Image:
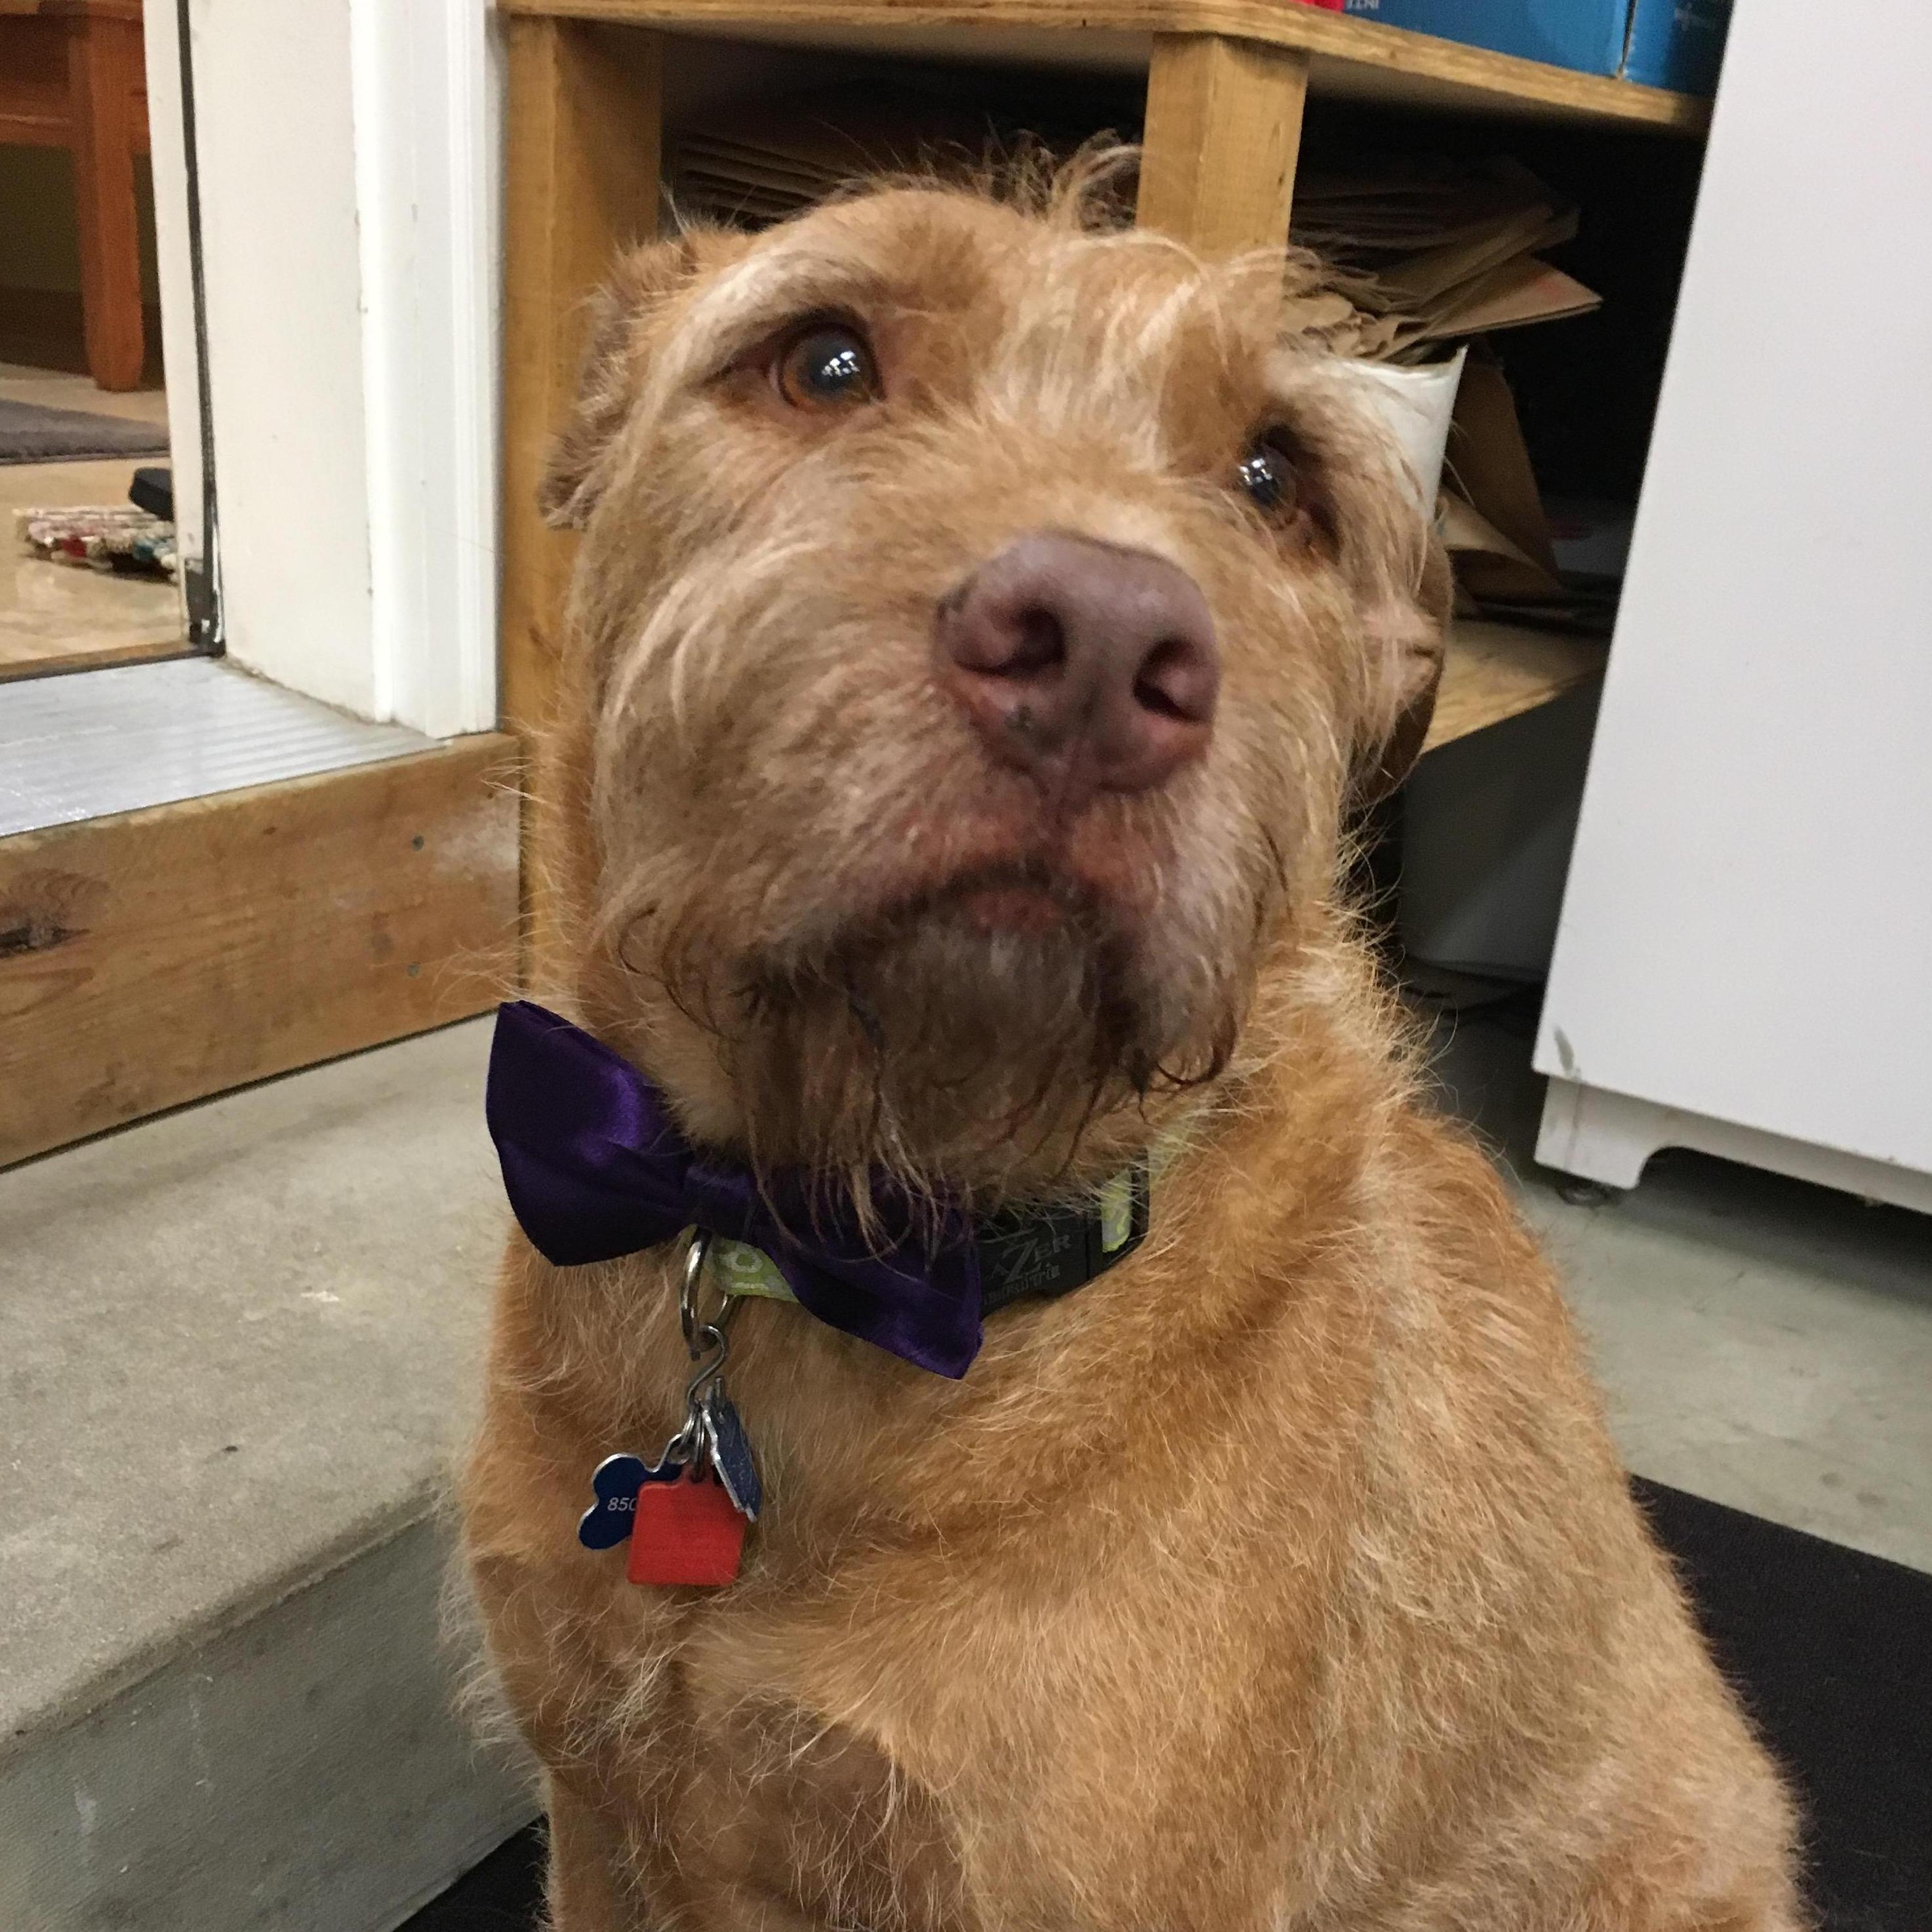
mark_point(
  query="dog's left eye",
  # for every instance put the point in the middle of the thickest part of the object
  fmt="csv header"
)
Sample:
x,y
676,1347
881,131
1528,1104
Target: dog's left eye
x,y
1267,474
827,366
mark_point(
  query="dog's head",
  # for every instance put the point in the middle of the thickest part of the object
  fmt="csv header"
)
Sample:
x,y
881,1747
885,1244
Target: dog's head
x,y
982,623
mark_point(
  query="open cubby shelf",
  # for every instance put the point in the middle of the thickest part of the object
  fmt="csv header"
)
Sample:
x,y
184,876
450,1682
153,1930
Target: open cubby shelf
x,y
1494,671
1349,58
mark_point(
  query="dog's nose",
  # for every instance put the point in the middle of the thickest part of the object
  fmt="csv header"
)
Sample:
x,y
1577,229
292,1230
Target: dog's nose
x,y
1090,668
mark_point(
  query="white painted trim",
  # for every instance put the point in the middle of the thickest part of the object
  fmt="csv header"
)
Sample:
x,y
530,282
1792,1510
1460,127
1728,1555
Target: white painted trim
x,y
425,166
348,156
180,353
1608,1137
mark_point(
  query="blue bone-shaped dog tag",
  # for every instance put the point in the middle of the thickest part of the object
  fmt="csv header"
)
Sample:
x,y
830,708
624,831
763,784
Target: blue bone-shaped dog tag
x,y
611,1519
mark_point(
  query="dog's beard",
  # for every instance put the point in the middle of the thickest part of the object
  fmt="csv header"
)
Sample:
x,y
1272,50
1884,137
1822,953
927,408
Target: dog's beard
x,y
955,1058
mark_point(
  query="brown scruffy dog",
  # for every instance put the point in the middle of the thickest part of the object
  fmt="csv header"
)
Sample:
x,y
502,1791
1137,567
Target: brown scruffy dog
x,y
982,628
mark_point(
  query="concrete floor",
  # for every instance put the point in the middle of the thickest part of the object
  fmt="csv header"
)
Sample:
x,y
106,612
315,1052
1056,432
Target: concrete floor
x,y
1763,1342
243,1343
242,1340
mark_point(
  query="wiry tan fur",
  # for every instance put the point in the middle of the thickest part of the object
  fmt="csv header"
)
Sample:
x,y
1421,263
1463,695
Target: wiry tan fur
x,y
1283,1577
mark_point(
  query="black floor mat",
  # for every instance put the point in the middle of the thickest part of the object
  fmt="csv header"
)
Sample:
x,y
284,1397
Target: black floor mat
x,y
1831,1650
32,433
501,1895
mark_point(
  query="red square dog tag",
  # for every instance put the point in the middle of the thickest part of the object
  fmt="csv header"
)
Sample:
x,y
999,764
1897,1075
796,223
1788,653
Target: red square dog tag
x,y
687,1532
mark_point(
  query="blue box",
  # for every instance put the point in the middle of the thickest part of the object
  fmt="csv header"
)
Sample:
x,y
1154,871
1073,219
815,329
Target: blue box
x,y
1672,43
1677,44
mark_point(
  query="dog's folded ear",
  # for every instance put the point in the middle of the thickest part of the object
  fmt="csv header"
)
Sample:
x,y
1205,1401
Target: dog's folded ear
x,y
1405,636
617,350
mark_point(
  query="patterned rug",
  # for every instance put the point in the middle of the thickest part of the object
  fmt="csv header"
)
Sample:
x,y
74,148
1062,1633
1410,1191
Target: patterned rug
x,y
117,537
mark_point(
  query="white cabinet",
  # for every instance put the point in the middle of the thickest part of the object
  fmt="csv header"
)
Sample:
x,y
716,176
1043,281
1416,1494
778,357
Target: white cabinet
x,y
1745,960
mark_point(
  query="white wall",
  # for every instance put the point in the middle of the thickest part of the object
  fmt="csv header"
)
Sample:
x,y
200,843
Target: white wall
x,y
347,156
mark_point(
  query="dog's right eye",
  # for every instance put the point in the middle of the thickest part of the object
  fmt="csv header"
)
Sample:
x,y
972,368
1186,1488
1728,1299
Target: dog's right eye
x,y
827,366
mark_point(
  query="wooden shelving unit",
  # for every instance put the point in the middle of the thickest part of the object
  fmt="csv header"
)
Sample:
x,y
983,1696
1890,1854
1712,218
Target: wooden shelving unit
x,y
1349,58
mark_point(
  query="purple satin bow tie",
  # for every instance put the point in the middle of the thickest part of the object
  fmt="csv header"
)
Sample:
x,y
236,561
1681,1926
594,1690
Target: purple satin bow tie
x,y
595,1167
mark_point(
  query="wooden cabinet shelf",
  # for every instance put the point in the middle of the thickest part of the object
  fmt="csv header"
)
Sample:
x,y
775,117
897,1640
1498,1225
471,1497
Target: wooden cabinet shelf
x,y
1349,58
1494,671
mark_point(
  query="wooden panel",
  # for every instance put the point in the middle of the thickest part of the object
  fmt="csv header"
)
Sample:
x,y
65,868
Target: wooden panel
x,y
1223,129
43,328
584,114
33,111
1352,56
157,956
1493,671
93,10
25,126
37,657
33,82
104,70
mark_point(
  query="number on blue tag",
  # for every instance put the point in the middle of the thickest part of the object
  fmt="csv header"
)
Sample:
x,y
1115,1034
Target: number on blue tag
x,y
731,1454
611,1519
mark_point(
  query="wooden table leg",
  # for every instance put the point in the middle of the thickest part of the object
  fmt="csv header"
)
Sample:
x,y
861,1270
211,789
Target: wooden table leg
x,y
583,135
1223,129
104,76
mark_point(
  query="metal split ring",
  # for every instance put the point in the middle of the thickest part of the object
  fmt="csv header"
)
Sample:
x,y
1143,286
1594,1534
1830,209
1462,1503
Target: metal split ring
x,y
712,1331
708,1340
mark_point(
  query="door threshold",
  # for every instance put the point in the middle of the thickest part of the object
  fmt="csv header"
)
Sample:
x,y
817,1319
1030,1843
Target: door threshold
x,y
136,736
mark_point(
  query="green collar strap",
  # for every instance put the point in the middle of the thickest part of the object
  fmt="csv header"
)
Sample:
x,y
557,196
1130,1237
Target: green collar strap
x,y
1041,1252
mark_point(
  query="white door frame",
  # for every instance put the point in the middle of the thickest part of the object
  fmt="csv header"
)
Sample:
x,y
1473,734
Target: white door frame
x,y
348,164
427,171
174,245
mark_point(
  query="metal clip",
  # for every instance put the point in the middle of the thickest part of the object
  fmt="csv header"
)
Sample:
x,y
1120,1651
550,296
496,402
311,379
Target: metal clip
x,y
709,1342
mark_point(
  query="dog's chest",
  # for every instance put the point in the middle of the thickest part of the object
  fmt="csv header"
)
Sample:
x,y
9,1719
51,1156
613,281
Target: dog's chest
x,y
964,1609
816,1816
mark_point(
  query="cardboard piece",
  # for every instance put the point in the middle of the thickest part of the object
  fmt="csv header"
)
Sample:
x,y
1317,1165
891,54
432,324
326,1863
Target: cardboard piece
x,y
1489,468
1676,44
1433,254
1416,255
1433,273
1517,293
763,161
